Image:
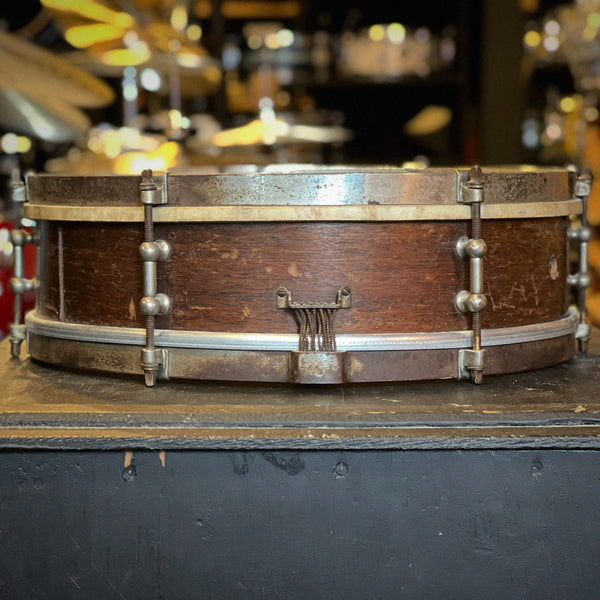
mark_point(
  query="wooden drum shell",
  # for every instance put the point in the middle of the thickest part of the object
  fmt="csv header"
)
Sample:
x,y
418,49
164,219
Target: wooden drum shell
x,y
223,277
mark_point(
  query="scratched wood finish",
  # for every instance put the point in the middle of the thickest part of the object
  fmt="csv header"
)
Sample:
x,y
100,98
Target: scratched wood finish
x,y
223,277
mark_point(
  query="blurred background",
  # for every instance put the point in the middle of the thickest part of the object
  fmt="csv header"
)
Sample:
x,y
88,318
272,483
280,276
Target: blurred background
x,y
115,86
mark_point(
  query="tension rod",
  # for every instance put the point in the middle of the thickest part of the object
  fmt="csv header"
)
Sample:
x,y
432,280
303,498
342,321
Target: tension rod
x,y
474,300
151,251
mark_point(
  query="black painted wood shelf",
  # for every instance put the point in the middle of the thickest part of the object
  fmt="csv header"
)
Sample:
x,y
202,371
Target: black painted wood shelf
x,y
47,408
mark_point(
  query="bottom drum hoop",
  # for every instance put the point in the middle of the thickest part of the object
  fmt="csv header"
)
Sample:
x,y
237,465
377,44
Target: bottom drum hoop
x,y
227,357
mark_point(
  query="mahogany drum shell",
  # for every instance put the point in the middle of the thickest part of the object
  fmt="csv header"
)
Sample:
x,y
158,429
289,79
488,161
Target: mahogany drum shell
x,y
223,277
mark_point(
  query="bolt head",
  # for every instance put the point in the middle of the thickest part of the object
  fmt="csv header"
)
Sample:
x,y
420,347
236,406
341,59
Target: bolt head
x,y
476,178
341,469
129,473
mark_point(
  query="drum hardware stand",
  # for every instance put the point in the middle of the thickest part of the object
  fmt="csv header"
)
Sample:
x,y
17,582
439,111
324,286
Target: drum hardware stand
x,y
151,252
317,359
581,280
471,362
18,284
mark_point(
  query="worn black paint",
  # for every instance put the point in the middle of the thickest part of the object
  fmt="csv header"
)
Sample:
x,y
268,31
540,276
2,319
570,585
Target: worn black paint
x,y
49,408
224,524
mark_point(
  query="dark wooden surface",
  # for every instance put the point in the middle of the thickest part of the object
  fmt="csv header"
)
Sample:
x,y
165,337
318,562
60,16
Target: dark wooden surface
x,y
45,407
300,525
223,277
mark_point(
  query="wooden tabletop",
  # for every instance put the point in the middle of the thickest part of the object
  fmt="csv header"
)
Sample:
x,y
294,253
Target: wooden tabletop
x,y
46,407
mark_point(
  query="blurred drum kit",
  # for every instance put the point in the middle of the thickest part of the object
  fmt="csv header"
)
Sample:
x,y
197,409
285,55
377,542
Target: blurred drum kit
x,y
42,94
290,274
155,35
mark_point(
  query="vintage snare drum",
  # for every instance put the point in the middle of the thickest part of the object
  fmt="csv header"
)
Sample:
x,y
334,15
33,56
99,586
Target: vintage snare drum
x,y
311,276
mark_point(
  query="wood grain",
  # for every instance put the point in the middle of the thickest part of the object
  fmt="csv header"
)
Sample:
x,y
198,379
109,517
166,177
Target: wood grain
x,y
223,277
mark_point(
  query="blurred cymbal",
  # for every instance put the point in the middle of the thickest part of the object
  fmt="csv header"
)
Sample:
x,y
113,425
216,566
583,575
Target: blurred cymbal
x,y
45,118
87,163
23,61
142,37
258,132
250,9
149,4
92,10
168,155
200,74
430,119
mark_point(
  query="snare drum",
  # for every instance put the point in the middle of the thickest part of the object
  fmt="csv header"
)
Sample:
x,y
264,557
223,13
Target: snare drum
x,y
316,275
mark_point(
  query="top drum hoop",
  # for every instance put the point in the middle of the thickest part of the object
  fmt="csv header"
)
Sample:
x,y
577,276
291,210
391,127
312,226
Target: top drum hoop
x,y
307,194
326,275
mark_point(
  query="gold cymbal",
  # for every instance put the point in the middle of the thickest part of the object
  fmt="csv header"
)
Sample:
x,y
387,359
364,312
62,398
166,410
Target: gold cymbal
x,y
53,76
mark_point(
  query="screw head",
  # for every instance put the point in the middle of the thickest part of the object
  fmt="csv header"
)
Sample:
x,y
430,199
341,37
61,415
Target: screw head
x,y
129,472
475,176
341,469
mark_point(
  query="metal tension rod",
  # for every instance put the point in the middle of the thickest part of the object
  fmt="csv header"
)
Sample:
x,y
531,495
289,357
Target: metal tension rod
x,y
151,252
18,284
474,301
581,280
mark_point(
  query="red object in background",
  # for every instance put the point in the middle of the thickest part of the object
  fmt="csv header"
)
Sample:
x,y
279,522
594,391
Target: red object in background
x,y
6,272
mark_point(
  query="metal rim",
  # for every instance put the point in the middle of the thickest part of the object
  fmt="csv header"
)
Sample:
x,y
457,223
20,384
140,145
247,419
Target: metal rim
x,y
370,190
289,342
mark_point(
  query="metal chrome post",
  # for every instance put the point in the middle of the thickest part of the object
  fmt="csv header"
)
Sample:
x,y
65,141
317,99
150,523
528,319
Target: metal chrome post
x,y
474,300
18,284
151,252
581,280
